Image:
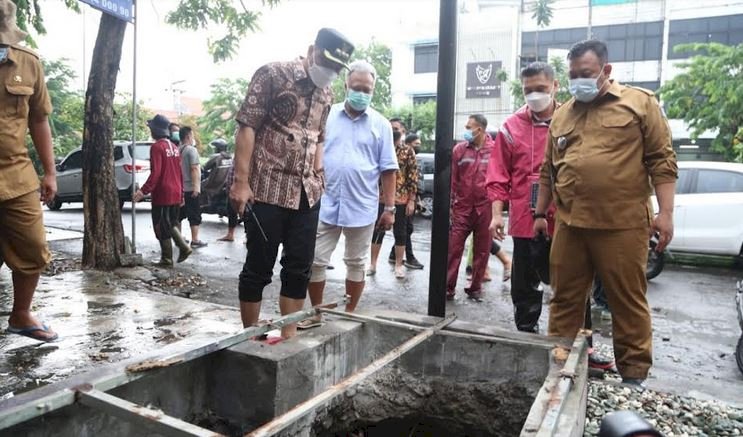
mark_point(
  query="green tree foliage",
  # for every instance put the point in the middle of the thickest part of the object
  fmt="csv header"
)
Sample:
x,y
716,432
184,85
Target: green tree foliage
x,y
561,74
234,22
542,13
123,119
380,56
420,119
28,14
708,94
220,109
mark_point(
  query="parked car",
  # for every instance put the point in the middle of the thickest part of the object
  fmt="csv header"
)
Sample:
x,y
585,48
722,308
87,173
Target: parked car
x,y
70,173
425,184
708,209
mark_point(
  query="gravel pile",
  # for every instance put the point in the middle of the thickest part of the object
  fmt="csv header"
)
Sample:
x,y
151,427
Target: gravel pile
x,y
670,414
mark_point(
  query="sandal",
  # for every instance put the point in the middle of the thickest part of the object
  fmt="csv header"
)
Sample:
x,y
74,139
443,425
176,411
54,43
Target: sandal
x,y
228,239
33,332
309,324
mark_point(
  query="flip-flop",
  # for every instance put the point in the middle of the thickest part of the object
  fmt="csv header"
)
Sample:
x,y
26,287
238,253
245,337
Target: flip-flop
x,y
506,275
371,272
309,324
31,332
226,239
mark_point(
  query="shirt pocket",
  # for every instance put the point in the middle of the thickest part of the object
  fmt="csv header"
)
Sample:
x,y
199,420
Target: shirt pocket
x,y
617,129
564,138
18,96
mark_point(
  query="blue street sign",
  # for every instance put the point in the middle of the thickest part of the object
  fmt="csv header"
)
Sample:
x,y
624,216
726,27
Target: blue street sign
x,y
121,9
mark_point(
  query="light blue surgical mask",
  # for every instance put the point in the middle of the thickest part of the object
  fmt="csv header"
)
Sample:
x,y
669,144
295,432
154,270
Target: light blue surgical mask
x,y
469,136
584,89
358,100
175,136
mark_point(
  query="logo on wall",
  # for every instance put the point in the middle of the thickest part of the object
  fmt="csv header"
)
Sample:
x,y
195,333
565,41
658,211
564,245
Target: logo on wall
x,y
482,82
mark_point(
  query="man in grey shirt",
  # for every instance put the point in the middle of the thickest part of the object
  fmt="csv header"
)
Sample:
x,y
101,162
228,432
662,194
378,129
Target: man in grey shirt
x,y
191,170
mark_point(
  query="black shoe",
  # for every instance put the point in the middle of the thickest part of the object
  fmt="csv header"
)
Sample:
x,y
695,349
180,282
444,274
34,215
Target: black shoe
x,y
636,382
412,263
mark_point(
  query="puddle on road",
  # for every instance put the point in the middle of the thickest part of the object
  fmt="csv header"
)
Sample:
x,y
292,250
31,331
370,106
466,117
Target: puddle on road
x,y
98,322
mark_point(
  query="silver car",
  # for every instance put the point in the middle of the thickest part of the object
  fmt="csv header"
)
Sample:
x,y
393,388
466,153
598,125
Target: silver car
x,y
70,173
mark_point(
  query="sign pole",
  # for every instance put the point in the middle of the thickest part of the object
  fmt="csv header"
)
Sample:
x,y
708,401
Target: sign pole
x,y
134,132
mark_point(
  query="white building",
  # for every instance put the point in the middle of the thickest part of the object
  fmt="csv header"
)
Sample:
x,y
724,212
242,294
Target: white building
x,y
640,35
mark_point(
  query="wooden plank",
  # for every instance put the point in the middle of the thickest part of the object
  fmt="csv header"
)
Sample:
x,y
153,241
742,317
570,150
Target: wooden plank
x,y
153,420
290,417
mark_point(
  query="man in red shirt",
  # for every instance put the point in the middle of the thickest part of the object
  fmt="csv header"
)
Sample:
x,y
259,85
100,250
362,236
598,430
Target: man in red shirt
x,y
166,185
470,205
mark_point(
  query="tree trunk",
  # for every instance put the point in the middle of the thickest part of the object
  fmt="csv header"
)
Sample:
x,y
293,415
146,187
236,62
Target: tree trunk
x,y
104,233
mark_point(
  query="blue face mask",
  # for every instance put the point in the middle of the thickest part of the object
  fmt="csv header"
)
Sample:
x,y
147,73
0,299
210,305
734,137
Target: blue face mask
x,y
358,100
584,89
469,136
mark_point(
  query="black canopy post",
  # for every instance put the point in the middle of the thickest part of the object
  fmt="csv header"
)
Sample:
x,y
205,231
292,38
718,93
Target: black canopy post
x,y
444,139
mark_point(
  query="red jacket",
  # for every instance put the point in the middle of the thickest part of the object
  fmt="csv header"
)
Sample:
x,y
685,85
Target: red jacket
x,y
468,177
517,159
166,180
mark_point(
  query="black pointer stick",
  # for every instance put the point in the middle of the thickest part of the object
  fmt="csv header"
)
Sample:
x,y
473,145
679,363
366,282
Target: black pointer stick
x,y
258,223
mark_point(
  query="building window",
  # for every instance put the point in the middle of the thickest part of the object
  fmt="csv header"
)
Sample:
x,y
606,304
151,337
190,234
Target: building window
x,y
426,58
625,42
419,99
726,30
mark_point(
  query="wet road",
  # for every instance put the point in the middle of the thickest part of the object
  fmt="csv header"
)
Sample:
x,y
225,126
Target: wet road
x,y
694,319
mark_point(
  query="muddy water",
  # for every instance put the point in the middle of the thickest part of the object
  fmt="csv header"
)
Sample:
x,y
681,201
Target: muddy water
x,y
99,321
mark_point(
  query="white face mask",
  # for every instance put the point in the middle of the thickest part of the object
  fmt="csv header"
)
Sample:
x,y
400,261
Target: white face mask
x,y
537,101
321,76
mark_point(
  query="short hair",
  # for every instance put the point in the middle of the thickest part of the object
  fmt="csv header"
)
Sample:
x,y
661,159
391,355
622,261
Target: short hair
x,y
480,119
185,131
399,120
173,125
361,66
590,45
411,137
536,68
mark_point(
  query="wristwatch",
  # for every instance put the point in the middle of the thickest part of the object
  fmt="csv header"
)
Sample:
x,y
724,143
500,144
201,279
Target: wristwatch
x,y
390,209
538,216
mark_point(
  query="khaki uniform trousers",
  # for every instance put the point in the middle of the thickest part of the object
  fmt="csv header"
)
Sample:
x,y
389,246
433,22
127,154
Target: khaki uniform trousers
x,y
619,257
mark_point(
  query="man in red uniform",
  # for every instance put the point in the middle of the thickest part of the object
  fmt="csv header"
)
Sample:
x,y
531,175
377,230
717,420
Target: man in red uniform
x,y
513,175
470,205
166,185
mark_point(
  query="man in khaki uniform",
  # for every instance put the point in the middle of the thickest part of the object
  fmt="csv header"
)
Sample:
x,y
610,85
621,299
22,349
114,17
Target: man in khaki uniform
x,y
605,148
24,106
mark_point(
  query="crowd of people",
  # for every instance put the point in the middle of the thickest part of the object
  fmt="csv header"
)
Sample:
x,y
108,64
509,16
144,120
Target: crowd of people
x,y
575,178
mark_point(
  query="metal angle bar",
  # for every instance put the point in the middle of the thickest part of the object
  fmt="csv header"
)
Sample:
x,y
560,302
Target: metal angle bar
x,y
152,420
291,416
563,387
372,319
65,397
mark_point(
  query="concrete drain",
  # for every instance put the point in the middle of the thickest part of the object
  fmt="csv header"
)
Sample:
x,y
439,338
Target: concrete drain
x,y
398,403
392,374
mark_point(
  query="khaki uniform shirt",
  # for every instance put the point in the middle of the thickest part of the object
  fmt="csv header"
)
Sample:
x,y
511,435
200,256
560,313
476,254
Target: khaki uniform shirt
x,y
288,113
23,95
602,156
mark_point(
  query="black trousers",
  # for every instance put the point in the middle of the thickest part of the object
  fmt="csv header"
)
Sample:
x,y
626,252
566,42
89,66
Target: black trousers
x,y
163,220
525,293
408,242
296,230
191,209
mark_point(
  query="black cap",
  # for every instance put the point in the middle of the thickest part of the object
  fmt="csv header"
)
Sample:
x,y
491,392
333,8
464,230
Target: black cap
x,y
159,125
335,47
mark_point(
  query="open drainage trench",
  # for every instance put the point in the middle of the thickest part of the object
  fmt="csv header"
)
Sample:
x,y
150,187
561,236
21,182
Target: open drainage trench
x,y
445,385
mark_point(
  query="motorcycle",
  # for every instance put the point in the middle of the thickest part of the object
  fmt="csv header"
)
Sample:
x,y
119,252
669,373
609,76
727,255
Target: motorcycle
x,y
213,198
739,305
656,260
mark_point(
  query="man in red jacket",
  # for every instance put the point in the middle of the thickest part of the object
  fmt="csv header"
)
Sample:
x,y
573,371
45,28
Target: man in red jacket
x,y
470,205
513,175
166,185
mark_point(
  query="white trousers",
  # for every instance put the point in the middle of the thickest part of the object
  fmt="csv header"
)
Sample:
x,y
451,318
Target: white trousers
x,y
358,243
